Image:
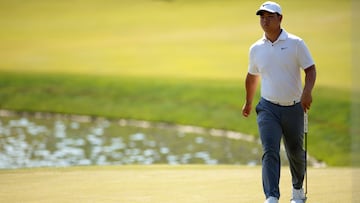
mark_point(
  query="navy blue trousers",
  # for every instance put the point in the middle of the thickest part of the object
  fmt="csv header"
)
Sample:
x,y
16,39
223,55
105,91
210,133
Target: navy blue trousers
x,y
275,123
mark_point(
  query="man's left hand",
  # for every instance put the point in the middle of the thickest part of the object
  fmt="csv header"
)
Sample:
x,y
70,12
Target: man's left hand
x,y
306,100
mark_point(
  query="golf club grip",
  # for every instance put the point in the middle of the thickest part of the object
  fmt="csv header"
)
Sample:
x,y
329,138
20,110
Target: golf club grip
x,y
306,123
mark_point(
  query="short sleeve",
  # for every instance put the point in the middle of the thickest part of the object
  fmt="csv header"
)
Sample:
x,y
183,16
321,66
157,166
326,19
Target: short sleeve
x,y
305,59
252,69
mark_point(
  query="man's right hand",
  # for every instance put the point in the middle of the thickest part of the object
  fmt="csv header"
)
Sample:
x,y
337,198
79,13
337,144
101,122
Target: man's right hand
x,y
251,82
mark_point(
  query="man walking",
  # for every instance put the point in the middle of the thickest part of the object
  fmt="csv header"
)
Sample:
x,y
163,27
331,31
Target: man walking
x,y
277,58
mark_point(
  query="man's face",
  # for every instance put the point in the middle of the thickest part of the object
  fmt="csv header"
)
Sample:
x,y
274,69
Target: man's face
x,y
270,21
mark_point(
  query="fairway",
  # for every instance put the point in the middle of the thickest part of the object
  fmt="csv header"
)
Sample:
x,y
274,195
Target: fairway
x,y
161,38
165,184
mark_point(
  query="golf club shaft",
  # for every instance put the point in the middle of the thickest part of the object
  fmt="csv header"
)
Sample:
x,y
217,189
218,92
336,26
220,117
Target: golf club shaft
x,y
305,140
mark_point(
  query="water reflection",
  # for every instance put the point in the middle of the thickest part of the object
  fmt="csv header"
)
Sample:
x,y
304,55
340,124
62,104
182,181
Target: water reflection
x,y
44,140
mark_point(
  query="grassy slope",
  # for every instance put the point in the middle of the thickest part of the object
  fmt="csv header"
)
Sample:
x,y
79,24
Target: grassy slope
x,y
183,57
153,184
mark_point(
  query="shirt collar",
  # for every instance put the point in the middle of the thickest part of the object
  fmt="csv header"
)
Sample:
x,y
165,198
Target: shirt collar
x,y
283,36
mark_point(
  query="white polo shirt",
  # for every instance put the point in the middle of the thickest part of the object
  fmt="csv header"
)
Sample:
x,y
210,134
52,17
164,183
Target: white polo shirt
x,y
279,66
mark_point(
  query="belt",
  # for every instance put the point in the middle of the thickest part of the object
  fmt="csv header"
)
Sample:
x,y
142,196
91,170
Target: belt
x,y
291,103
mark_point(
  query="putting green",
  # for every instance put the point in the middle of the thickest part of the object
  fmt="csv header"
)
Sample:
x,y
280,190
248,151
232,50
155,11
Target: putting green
x,y
163,183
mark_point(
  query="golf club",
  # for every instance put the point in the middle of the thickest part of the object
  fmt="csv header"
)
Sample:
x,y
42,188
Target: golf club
x,y
305,143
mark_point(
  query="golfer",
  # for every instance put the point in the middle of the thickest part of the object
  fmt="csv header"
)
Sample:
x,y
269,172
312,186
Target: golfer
x,y
278,58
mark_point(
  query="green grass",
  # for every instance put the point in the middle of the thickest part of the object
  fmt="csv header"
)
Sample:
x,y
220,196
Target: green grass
x,y
176,61
181,38
159,183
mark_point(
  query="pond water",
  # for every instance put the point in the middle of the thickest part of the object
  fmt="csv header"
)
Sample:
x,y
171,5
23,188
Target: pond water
x,y
54,140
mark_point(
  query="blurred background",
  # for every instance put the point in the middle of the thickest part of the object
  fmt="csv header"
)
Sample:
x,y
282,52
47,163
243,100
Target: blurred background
x,y
179,62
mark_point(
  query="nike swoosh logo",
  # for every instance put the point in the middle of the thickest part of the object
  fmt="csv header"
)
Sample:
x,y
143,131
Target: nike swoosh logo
x,y
283,48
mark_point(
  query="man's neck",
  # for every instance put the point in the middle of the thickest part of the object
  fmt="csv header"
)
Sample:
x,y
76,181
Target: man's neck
x,y
273,36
